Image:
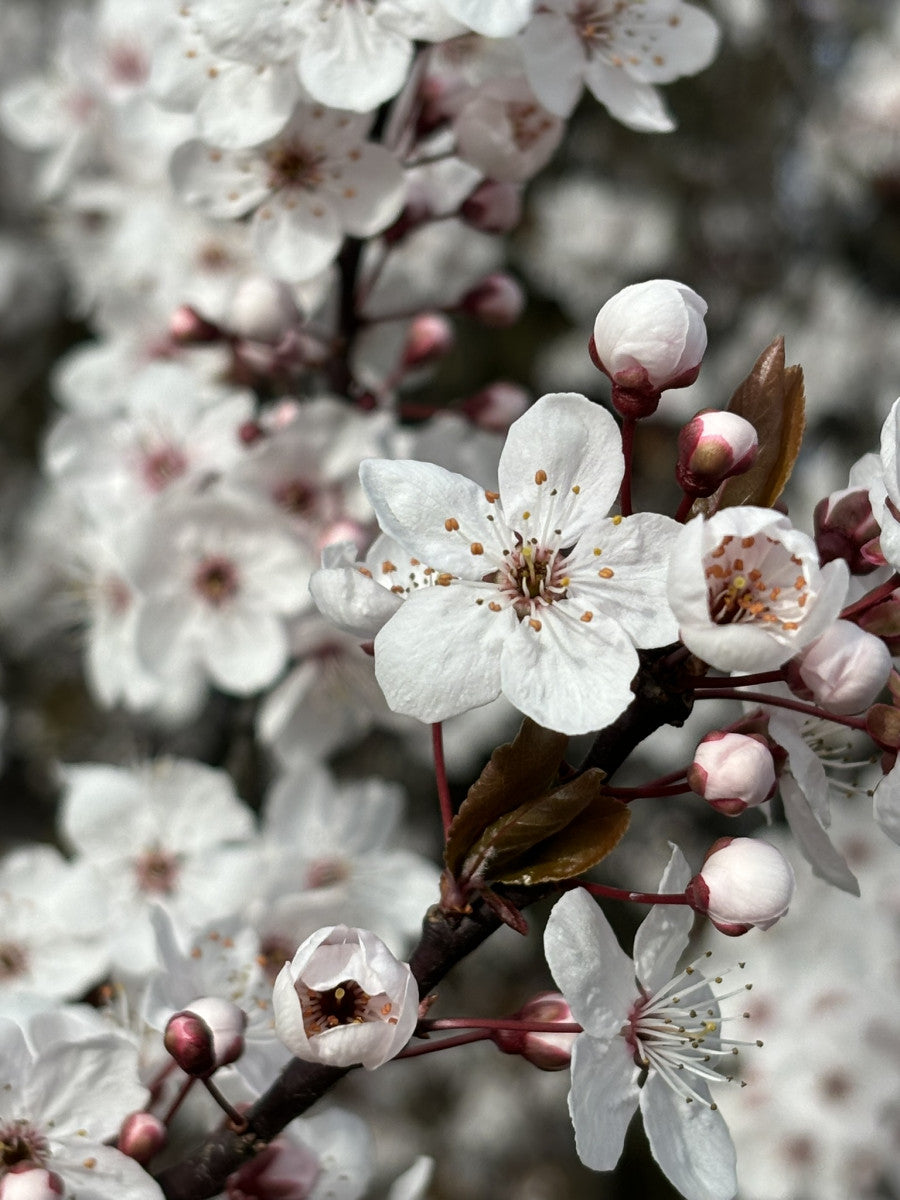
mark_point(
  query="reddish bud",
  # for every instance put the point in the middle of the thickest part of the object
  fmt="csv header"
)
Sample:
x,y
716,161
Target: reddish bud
x,y
430,337
495,407
732,772
843,670
497,301
29,1181
744,884
142,1136
711,448
188,328
547,1051
262,310
845,527
205,1036
493,207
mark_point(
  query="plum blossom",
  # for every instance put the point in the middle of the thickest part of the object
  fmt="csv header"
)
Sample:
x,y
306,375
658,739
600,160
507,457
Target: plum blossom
x,y
748,591
307,187
618,50
539,595
743,884
640,1020
344,999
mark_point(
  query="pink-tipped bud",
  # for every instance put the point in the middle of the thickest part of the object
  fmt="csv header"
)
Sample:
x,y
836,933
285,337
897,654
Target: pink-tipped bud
x,y
495,407
493,207
547,1051
845,527
430,337
497,301
647,338
262,310
713,446
28,1181
206,1035
142,1136
283,1170
744,884
188,328
843,670
883,620
733,772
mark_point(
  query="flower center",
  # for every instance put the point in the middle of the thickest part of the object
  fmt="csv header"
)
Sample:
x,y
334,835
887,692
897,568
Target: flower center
x,y
161,467
274,952
157,872
594,24
21,1142
756,579
345,1004
292,165
326,872
13,961
216,579
678,1041
532,577
528,123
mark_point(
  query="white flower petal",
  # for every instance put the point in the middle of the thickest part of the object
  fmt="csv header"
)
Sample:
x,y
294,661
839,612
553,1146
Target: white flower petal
x,y
637,105
296,235
813,841
220,183
602,1099
591,969
690,1142
664,932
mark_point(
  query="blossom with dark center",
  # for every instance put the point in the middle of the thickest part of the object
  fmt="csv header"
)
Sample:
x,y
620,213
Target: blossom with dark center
x,y
345,999
539,594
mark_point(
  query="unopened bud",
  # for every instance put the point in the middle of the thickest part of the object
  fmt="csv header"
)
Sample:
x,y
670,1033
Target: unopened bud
x,y
845,527
208,1034
262,310
843,670
495,407
647,338
547,1051
142,1136
283,1170
188,328
29,1181
497,301
712,447
743,884
430,337
493,207
732,772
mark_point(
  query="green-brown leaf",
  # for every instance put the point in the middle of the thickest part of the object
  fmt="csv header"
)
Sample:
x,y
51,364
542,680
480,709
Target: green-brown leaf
x,y
584,842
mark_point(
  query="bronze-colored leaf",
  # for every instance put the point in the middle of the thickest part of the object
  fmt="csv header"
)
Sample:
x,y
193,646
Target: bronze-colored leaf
x,y
584,842
512,836
772,399
517,772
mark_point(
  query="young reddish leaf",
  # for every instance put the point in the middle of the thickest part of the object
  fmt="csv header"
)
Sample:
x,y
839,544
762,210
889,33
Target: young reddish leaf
x,y
772,399
517,772
508,913
584,842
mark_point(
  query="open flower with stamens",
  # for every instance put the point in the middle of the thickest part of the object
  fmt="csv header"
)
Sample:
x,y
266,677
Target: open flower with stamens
x,y
748,591
344,999
538,593
651,1039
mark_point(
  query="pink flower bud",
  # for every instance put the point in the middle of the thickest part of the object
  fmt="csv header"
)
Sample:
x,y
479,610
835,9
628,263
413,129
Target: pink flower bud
x,y
206,1035
547,1051
430,337
188,328
713,446
493,207
843,670
142,1136
844,527
495,407
28,1181
649,337
283,1170
743,884
497,301
732,772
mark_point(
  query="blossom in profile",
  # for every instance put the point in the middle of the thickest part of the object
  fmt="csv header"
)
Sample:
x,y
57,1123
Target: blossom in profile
x,y
748,591
345,999
537,592
651,1038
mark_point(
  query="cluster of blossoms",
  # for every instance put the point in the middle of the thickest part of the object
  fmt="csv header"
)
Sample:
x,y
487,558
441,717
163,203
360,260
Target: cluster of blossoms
x,y
273,218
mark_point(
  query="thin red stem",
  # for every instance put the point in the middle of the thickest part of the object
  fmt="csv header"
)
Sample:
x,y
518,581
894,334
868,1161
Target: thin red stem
x,y
611,893
179,1099
488,1023
238,1121
440,772
809,710
628,424
874,597
734,681
684,508
463,1039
